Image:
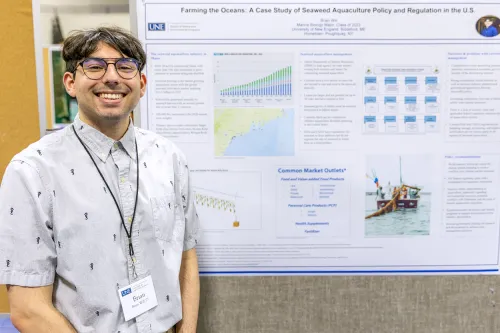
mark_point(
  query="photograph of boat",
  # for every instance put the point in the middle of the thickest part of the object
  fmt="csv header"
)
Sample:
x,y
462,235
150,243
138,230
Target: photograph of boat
x,y
396,204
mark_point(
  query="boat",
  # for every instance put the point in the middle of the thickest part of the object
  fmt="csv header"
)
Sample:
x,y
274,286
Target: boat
x,y
402,203
403,197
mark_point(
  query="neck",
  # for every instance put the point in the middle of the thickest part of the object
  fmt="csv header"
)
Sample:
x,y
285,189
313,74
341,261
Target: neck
x,y
112,128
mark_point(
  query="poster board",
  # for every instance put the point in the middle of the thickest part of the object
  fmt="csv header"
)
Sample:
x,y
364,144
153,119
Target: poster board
x,y
61,108
323,140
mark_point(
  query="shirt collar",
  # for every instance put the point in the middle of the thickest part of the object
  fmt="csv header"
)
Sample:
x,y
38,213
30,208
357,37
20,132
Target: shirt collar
x,y
100,144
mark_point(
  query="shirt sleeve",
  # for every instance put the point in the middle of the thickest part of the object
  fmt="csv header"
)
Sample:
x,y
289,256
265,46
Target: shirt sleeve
x,y
27,249
192,232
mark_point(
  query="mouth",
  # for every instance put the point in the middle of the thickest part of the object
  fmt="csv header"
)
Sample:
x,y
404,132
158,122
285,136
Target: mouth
x,y
111,97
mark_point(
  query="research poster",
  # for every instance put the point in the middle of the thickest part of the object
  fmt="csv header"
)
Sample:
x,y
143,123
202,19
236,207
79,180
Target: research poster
x,y
61,108
327,138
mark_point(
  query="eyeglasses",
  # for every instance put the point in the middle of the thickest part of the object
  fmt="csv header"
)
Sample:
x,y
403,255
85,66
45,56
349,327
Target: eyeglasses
x,y
96,68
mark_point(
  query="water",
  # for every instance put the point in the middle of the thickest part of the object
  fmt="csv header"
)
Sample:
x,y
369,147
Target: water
x,y
402,222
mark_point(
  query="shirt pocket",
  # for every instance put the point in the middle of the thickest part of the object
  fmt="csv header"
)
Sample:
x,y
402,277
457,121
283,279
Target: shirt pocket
x,y
163,212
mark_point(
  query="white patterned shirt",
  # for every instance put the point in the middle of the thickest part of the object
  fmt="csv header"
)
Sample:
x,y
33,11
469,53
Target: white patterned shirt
x,y
59,224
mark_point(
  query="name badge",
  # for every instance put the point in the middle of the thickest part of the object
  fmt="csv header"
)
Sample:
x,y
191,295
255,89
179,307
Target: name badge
x,y
138,298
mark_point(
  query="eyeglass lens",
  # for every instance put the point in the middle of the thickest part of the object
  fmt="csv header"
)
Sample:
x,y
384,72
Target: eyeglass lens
x,y
95,68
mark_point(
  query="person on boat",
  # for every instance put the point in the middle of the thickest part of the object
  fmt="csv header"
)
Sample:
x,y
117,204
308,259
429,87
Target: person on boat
x,y
404,193
394,191
380,193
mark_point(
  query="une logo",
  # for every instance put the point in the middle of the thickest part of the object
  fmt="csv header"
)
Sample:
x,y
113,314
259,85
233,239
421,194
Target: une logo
x,y
156,26
126,292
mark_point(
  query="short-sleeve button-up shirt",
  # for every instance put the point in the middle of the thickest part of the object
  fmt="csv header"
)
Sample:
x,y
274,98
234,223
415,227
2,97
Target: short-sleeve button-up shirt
x,y
59,224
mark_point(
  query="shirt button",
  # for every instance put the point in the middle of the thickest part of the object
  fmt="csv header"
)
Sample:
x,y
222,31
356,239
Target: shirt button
x,y
115,145
130,219
122,179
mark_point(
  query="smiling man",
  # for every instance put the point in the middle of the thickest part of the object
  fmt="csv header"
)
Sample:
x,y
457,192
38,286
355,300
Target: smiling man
x,y
489,29
98,226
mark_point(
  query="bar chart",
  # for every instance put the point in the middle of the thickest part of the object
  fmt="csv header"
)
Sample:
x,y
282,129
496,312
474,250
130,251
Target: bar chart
x,y
276,84
253,79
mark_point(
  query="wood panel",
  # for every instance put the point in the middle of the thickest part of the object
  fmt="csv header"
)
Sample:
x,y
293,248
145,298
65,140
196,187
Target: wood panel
x,y
19,125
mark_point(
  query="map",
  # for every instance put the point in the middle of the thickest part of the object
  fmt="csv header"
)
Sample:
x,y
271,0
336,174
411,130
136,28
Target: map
x,y
254,132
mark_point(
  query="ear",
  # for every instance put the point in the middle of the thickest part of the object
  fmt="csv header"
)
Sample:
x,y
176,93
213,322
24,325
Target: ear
x,y
69,84
143,84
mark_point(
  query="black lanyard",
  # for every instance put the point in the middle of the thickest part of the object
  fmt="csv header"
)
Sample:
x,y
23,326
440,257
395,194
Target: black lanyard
x,y
129,234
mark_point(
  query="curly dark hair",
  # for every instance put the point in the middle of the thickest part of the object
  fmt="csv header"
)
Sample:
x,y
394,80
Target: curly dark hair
x,y
80,44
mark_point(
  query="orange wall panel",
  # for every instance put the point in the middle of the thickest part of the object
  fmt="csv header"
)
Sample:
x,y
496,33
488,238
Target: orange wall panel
x,y
19,124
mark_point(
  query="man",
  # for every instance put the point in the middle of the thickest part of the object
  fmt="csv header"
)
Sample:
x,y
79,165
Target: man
x,y
489,29
380,194
97,221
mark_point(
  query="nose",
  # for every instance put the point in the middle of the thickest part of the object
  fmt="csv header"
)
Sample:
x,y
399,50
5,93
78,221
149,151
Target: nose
x,y
111,77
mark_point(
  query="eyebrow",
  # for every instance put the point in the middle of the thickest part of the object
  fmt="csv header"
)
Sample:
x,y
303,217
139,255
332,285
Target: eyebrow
x,y
95,57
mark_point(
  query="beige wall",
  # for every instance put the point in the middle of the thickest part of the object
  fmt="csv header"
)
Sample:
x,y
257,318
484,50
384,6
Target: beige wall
x,y
19,124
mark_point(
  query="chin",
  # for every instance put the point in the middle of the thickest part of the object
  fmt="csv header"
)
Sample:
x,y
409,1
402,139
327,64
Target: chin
x,y
115,116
